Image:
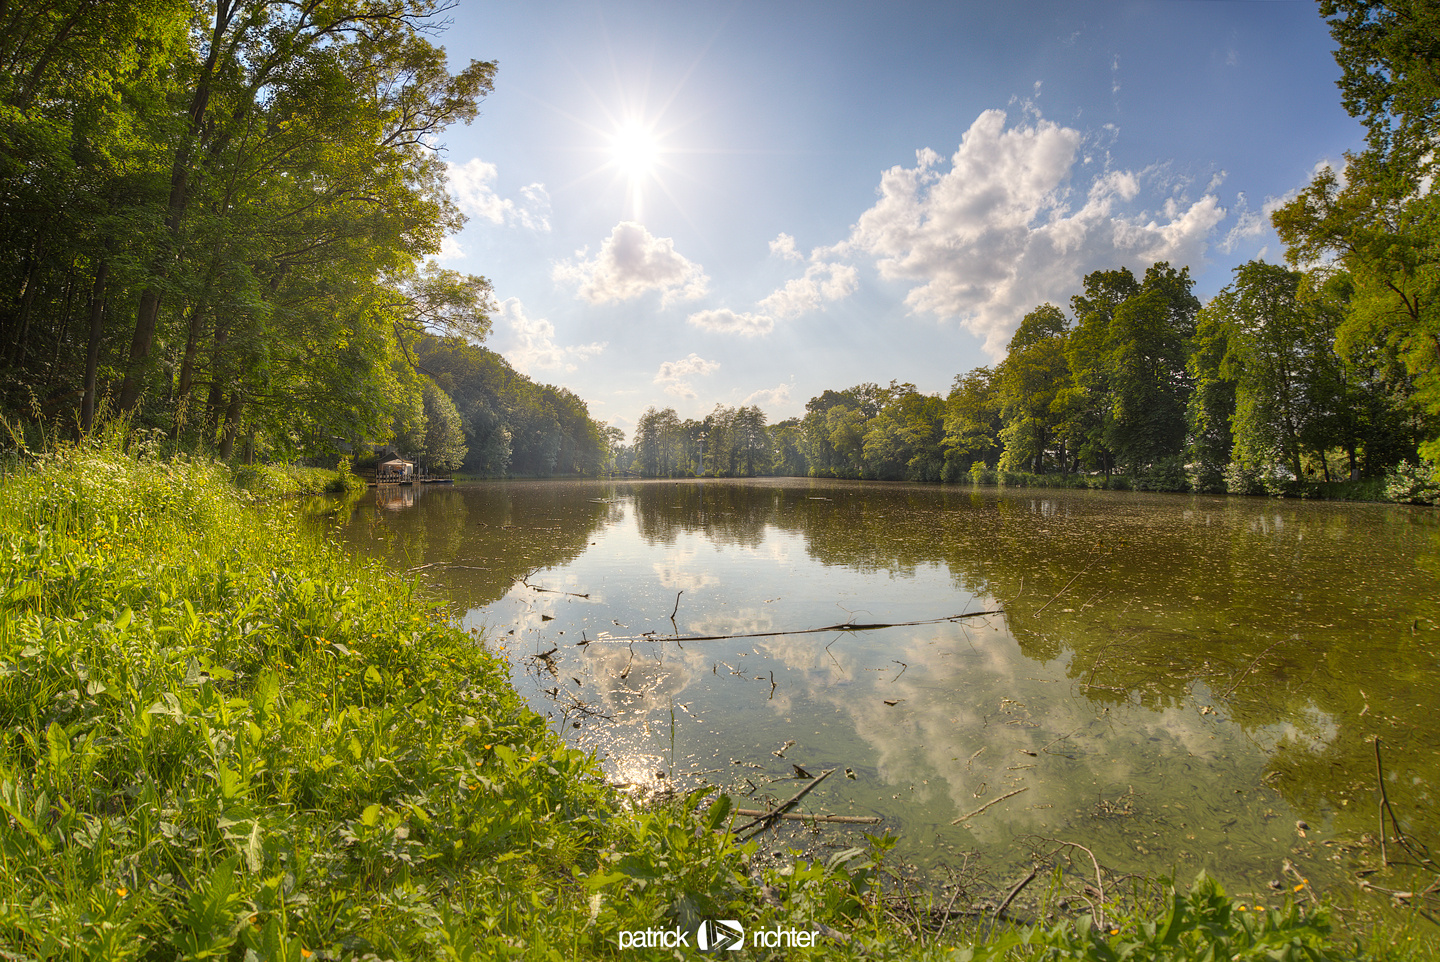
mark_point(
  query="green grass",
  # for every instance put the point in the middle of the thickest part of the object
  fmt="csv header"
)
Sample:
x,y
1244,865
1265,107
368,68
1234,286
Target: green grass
x,y
223,739
279,481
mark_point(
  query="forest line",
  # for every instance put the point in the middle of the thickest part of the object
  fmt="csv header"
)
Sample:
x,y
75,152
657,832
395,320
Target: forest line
x,y
1139,384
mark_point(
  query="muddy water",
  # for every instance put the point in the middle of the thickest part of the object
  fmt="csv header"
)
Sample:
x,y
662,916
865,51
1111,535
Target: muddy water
x,y
1175,682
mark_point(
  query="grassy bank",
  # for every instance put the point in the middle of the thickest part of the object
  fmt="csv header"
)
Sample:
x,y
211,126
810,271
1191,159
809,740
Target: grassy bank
x,y
225,740
1178,481
281,481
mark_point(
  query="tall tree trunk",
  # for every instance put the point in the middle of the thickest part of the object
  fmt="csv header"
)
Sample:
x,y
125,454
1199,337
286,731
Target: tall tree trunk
x,y
232,424
148,311
92,350
187,370
216,395
27,300
64,331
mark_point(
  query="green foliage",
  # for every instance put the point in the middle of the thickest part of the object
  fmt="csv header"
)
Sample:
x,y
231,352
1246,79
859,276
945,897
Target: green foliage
x,y
1146,352
1414,483
249,191
274,481
1028,384
1379,225
511,425
1202,925
972,422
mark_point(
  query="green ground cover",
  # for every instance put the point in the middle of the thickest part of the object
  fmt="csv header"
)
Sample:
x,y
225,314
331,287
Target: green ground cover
x,y
223,739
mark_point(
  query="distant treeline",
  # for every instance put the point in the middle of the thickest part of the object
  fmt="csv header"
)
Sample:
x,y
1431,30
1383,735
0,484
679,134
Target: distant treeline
x,y
1139,379
507,424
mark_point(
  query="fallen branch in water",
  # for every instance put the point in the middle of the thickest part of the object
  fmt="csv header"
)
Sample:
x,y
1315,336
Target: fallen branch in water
x,y
1014,891
1067,585
993,801
550,591
1385,808
774,814
1252,665
802,817
846,626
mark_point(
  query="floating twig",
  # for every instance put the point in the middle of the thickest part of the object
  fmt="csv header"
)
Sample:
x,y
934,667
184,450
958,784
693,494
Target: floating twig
x,y
993,801
553,591
1068,584
677,603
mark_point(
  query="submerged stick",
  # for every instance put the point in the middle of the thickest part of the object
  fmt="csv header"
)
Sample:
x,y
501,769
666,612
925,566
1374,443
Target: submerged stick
x,y
802,817
766,821
846,626
1067,585
993,801
1252,665
1014,891
1385,808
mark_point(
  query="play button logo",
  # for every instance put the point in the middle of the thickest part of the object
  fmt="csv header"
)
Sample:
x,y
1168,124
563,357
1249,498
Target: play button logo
x,y
715,935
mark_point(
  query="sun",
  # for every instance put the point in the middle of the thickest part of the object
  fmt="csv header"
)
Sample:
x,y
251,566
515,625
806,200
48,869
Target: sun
x,y
634,151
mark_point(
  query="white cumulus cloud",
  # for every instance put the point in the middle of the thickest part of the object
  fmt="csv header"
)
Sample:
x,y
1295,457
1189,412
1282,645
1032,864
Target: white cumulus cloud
x,y
632,262
784,246
473,186
780,394
674,376
530,342
822,282
450,250
725,321
1004,230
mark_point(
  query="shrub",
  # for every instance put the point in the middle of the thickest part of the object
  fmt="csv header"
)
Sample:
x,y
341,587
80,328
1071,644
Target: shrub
x,y
1240,479
1413,483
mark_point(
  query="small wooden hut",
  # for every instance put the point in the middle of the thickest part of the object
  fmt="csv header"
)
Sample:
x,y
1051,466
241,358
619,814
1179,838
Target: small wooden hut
x,y
395,471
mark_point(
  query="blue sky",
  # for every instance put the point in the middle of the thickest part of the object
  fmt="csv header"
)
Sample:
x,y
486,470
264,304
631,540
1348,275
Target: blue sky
x,y
683,204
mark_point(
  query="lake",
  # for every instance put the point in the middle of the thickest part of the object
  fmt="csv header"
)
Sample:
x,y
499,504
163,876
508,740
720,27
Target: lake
x,y
1176,682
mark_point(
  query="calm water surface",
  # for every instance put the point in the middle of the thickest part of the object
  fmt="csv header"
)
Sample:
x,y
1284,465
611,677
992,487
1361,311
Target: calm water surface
x,y
1175,681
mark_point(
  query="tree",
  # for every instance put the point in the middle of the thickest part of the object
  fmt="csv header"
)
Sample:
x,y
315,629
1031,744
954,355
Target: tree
x,y
972,422
1146,351
787,442
1029,382
339,100
1086,404
444,436
1381,226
